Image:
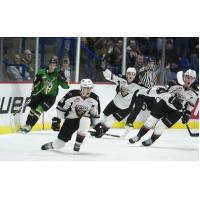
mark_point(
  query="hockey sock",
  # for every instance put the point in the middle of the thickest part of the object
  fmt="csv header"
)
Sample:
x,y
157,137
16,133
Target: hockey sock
x,y
143,131
154,137
79,138
33,118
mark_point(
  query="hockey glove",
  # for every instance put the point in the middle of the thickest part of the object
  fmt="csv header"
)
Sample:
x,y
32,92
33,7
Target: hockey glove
x,y
161,90
175,102
186,117
102,66
55,124
100,130
62,76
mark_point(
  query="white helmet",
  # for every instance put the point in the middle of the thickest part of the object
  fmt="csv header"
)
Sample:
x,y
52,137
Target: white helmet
x,y
191,73
86,83
131,69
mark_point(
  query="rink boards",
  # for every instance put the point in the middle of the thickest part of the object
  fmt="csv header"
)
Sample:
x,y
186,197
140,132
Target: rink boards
x,y
15,95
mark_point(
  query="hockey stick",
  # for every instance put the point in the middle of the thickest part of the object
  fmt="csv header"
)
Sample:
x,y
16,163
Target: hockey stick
x,y
192,134
112,135
93,133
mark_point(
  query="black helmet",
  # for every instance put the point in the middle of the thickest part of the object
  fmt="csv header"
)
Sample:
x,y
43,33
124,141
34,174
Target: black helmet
x,y
151,59
52,60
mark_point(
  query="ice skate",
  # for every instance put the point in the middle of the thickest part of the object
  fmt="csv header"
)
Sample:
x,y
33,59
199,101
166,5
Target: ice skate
x,y
77,146
134,139
47,146
147,142
25,129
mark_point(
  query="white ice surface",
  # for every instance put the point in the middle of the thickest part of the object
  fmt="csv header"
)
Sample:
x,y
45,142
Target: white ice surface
x,y
172,145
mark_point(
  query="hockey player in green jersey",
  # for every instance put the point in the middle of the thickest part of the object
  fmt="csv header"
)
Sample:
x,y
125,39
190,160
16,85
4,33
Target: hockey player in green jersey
x,y
44,92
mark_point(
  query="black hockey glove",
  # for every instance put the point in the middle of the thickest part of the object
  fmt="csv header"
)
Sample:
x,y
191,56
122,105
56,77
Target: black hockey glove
x,y
100,130
161,90
62,76
175,102
55,124
102,66
186,117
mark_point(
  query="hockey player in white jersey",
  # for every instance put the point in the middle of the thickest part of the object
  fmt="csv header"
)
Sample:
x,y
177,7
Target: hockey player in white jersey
x,y
177,102
120,106
78,108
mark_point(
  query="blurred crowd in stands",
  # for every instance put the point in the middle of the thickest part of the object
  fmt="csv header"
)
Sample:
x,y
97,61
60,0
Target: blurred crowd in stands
x,y
181,53
20,67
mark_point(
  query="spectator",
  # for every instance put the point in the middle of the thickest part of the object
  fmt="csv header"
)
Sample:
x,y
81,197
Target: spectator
x,y
145,46
194,61
139,64
132,53
171,57
101,46
114,57
65,67
167,73
28,61
17,71
87,60
182,46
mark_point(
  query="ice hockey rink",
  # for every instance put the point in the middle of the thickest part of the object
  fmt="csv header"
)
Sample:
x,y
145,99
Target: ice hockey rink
x,y
172,145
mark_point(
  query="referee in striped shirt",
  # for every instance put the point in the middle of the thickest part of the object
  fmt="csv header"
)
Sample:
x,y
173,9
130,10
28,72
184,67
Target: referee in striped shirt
x,y
147,76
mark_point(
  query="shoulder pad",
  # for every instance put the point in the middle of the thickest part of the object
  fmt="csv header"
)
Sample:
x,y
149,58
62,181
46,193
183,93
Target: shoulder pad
x,y
94,96
195,91
41,71
195,87
72,93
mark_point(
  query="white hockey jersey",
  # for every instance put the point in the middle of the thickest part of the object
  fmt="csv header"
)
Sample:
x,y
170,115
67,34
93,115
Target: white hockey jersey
x,y
73,105
186,96
125,91
126,95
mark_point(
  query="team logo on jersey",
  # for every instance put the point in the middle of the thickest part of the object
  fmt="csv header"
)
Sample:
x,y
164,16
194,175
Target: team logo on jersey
x,y
80,110
48,86
180,97
77,100
124,91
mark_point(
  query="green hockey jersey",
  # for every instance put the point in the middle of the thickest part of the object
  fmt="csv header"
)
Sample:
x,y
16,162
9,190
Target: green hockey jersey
x,y
48,83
